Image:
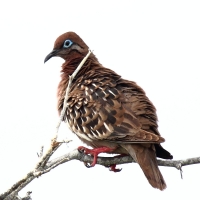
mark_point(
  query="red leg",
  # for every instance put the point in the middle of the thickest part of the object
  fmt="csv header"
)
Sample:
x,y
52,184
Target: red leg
x,y
94,152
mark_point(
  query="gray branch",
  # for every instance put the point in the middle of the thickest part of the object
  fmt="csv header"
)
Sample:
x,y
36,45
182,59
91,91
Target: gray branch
x,y
45,166
107,161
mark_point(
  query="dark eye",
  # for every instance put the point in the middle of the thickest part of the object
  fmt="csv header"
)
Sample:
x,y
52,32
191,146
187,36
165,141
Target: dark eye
x,y
67,43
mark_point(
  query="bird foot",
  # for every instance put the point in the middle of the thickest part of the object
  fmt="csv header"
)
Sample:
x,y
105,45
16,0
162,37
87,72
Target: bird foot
x,y
94,152
113,168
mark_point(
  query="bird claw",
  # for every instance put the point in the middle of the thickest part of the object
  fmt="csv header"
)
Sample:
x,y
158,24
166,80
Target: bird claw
x,y
117,170
113,168
85,150
88,165
81,149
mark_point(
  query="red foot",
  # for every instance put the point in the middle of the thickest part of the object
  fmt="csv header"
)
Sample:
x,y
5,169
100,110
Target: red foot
x,y
113,168
94,152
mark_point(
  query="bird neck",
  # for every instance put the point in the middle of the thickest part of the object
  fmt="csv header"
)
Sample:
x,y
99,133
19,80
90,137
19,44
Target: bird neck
x,y
90,69
69,66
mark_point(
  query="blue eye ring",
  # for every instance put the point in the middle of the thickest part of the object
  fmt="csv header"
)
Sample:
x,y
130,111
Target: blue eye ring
x,y
67,43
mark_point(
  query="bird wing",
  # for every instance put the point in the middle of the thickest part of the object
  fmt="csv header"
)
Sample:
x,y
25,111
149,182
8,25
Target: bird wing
x,y
102,109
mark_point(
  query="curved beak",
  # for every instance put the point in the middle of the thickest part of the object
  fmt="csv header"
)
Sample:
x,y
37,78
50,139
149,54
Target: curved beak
x,y
52,54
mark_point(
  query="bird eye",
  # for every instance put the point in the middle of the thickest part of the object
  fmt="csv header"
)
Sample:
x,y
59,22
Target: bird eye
x,y
67,43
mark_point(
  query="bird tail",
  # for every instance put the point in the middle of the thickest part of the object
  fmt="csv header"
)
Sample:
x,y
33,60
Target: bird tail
x,y
146,158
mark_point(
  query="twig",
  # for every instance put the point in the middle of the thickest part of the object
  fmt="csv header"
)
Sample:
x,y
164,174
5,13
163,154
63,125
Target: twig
x,y
67,92
54,144
41,165
41,152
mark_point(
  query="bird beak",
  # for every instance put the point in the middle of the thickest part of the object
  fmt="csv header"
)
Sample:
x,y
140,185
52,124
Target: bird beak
x,y
50,55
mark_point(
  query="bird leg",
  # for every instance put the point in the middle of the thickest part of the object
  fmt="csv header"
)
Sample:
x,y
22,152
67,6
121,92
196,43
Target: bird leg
x,y
94,152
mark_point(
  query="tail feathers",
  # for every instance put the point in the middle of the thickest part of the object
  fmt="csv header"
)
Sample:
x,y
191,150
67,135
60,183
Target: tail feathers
x,y
146,158
161,152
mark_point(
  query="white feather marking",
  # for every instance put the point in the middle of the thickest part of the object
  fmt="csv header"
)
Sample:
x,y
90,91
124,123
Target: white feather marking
x,y
109,128
98,132
94,84
87,93
78,127
77,107
82,121
94,112
104,99
92,136
85,129
112,92
87,111
104,92
77,114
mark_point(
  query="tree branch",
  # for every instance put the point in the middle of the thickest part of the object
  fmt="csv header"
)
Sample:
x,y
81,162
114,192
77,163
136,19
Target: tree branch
x,y
107,161
76,155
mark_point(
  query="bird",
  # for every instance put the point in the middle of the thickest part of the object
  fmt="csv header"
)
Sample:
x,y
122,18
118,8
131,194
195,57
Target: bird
x,y
106,112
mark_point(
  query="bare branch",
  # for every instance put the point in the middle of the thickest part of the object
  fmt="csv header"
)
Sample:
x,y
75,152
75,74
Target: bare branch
x,y
76,155
107,161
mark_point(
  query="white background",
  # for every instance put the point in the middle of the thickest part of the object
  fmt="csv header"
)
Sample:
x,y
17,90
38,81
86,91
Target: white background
x,y
155,43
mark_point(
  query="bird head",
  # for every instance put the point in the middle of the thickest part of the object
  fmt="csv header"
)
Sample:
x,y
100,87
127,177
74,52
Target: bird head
x,y
68,46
